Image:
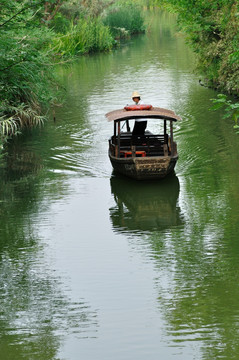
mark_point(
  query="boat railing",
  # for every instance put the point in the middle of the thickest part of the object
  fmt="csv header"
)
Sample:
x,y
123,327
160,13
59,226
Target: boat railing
x,y
150,145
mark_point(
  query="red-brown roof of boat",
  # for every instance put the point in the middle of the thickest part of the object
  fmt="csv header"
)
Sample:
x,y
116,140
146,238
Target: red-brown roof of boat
x,y
155,112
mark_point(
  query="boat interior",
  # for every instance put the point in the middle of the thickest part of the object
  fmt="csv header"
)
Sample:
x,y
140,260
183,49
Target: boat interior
x,y
140,142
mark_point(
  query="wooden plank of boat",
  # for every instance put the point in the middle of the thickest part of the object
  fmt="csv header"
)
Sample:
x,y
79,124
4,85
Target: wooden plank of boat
x,y
144,168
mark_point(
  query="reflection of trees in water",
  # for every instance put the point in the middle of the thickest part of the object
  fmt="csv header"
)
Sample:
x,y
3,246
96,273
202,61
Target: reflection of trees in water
x,y
19,198
36,314
200,302
202,311
145,206
199,298
20,195
19,161
23,183
36,311
196,261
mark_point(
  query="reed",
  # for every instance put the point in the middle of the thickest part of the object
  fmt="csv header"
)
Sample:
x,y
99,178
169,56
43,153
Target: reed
x,y
125,21
88,35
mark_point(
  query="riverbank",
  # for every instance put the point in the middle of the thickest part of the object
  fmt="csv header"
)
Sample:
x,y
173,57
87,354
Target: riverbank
x,y
212,30
37,36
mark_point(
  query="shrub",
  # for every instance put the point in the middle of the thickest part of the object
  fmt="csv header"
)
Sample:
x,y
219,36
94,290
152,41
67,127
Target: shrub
x,y
60,24
125,20
24,68
24,79
88,35
231,109
212,30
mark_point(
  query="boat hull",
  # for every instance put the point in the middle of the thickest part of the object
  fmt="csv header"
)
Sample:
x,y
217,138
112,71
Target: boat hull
x,y
143,168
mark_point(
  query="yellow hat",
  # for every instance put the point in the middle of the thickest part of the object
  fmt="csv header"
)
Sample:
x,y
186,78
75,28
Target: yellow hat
x,y
135,94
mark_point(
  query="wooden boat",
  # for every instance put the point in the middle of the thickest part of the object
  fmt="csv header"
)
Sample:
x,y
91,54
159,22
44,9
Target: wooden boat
x,y
139,153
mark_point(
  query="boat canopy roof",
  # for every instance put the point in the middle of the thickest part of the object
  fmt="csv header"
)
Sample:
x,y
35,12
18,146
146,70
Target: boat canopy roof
x,y
153,113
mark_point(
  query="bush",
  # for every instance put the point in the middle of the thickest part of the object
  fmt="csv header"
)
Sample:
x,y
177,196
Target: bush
x,y
24,79
212,30
25,71
60,24
231,109
125,20
88,35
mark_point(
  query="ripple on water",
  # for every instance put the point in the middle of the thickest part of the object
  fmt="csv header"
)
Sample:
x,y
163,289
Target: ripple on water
x,y
34,303
82,156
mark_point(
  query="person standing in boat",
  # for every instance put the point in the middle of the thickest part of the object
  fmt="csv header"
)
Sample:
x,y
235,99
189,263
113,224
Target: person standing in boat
x,y
141,124
136,98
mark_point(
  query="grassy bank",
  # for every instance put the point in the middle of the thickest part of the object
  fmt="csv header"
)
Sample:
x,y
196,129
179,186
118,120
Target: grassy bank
x,y
91,33
88,35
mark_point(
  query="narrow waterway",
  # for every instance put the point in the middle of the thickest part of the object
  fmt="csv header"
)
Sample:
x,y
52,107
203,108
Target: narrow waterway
x,y
97,266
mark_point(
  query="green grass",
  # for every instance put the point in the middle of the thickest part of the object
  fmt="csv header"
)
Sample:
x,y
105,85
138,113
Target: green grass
x,y
125,21
87,36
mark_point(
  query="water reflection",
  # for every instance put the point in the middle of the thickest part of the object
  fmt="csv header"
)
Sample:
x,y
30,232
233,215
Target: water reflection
x,y
144,206
198,299
36,311
19,161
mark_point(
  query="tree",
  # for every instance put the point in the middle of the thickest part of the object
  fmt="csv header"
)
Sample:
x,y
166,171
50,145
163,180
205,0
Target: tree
x,y
212,28
24,70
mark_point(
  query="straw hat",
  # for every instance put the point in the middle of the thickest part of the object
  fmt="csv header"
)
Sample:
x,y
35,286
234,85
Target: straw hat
x,y
135,94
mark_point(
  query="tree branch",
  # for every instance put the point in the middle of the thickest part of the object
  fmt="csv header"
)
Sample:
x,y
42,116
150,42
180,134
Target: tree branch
x,y
57,6
7,21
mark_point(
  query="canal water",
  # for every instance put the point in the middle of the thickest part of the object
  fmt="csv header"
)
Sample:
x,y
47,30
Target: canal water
x,y
98,266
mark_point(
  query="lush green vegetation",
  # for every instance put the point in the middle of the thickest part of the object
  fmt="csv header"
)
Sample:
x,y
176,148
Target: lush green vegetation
x,y
86,36
231,109
37,33
212,29
95,27
25,66
125,19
